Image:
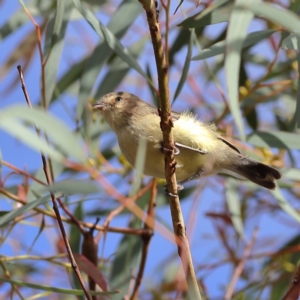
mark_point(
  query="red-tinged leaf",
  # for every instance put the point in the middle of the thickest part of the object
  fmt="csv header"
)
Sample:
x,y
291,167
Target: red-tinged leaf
x,y
87,267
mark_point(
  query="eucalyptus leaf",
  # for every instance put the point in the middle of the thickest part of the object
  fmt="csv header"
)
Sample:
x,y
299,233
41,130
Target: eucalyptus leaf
x,y
234,207
274,139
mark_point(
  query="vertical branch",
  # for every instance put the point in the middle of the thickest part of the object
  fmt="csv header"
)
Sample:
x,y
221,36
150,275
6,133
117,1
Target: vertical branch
x,y
146,241
168,145
54,201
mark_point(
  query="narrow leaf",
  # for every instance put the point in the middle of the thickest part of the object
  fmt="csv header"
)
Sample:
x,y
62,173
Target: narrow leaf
x,y
283,203
57,131
118,26
56,39
280,16
274,139
74,187
186,66
216,13
118,70
236,34
30,138
234,207
110,39
252,38
23,209
53,289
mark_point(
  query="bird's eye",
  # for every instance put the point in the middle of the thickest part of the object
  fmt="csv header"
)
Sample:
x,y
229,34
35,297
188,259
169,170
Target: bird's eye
x,y
118,99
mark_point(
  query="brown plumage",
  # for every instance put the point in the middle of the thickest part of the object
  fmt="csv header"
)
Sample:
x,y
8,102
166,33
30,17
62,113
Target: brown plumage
x,y
202,151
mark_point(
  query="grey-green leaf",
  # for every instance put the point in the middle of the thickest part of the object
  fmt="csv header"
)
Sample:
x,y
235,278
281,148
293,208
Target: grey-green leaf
x,y
274,139
236,34
74,187
186,66
283,203
219,48
233,203
280,16
118,26
55,39
292,42
107,35
22,210
60,135
216,13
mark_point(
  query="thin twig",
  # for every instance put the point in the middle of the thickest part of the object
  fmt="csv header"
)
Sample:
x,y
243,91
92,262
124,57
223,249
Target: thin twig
x,y
293,291
85,224
168,143
55,207
146,241
119,209
240,267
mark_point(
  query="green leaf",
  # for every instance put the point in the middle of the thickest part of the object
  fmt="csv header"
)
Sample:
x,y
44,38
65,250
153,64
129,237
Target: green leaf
x,y
234,207
41,229
118,26
280,16
75,237
283,203
292,42
186,66
62,137
54,42
219,48
216,13
13,23
125,261
291,173
118,70
296,120
74,187
110,39
30,138
274,139
236,34
22,210
69,78
53,289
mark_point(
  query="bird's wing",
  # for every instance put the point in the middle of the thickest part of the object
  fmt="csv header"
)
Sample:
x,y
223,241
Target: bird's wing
x,y
229,144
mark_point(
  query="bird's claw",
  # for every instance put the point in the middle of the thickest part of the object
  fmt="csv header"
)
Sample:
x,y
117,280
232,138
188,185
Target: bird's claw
x,y
179,188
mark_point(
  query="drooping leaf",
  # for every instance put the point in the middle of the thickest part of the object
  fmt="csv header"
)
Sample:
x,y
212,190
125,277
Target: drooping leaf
x,y
107,35
125,261
22,210
234,207
64,139
280,16
54,43
285,205
217,13
236,34
74,187
118,26
274,139
186,66
252,38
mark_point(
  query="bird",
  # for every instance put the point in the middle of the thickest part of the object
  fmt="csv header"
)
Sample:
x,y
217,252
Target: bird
x,y
200,150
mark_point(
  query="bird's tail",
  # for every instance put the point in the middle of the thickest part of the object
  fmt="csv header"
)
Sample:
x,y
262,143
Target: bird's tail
x,y
256,172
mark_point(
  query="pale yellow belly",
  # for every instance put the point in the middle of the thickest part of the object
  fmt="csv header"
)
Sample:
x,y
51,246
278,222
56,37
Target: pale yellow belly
x,y
188,162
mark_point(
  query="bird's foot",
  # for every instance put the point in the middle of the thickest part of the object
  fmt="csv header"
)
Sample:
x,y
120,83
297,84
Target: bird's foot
x,y
195,176
176,150
203,152
179,188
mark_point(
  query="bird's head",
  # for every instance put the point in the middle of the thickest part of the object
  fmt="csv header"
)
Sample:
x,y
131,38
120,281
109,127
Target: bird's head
x,y
117,108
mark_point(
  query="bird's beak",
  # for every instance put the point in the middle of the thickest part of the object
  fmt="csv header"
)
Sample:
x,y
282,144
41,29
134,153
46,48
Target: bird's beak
x,y
98,106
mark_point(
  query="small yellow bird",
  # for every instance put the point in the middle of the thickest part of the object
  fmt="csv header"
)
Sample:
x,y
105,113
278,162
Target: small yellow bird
x,y
201,151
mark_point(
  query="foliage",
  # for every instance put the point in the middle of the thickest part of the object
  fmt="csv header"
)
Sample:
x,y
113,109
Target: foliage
x,y
231,62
